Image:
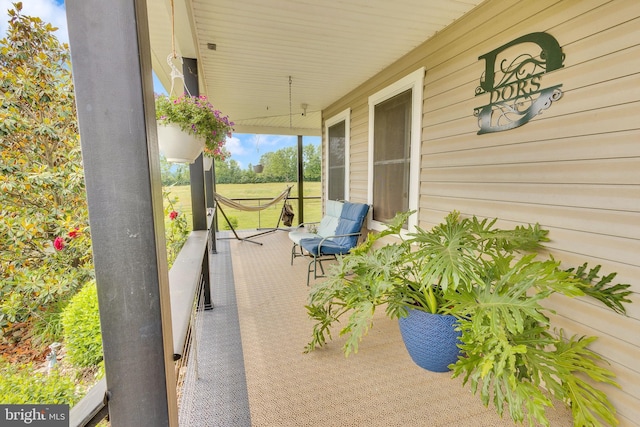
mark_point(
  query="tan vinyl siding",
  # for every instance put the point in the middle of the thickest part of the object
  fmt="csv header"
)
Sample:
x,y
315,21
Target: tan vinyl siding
x,y
575,168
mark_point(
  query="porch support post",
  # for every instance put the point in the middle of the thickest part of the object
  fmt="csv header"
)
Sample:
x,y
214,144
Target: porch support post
x,y
198,205
210,187
300,182
197,180
114,97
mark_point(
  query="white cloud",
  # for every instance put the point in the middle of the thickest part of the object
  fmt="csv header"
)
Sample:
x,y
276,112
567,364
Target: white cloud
x,y
50,11
234,145
278,141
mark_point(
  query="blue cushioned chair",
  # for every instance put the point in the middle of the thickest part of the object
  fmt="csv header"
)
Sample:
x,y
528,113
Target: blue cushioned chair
x,y
326,228
346,237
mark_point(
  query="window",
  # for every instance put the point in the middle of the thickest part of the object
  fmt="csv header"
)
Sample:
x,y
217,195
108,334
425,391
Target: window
x,y
395,122
337,134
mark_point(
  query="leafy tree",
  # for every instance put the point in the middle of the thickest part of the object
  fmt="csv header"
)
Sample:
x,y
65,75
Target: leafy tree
x,y
228,172
44,235
281,165
173,173
312,168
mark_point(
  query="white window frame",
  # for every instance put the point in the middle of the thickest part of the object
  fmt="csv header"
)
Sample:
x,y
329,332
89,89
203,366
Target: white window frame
x,y
346,117
415,82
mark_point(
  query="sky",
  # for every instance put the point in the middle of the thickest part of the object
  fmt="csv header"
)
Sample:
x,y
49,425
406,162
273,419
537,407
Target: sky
x,y
246,149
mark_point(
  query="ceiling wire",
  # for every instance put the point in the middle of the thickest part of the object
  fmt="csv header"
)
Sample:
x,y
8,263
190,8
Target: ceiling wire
x,y
173,31
290,114
175,73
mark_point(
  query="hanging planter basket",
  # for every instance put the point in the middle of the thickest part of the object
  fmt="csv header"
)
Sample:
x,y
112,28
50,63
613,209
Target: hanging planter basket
x,y
430,339
179,146
258,168
207,162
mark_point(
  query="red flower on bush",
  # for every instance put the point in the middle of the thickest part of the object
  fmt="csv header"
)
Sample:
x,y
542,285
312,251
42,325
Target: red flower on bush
x,y
74,233
173,215
58,243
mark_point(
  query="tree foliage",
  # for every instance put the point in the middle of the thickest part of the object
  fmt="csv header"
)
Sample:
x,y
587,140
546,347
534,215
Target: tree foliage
x,y
279,166
44,236
173,173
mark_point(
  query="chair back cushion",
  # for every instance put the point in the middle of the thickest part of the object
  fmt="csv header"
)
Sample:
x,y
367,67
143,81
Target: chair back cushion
x,y
329,222
351,220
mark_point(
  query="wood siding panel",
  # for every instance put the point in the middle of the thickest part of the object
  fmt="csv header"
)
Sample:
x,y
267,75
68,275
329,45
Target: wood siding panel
x,y
575,168
596,22
626,354
622,171
550,16
601,197
601,146
588,90
625,225
461,134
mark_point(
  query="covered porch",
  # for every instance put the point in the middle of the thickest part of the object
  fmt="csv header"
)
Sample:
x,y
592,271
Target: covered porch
x,y
248,367
573,169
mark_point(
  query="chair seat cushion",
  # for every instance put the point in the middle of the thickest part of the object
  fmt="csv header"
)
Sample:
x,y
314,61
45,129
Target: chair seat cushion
x,y
326,227
329,247
296,236
351,219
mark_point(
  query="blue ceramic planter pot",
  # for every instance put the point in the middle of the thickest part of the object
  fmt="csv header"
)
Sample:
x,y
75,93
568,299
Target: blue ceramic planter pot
x,y
430,339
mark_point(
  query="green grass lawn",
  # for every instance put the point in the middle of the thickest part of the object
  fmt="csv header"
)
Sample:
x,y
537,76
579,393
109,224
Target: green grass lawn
x,y
251,220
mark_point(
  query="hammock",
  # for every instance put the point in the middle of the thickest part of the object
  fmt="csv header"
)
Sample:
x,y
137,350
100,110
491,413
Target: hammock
x,y
220,199
235,205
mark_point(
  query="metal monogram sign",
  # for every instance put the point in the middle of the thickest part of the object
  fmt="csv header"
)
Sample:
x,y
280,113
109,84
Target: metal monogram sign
x,y
513,79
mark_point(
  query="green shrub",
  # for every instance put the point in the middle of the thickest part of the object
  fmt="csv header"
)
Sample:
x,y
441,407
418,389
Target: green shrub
x,y
81,328
232,220
176,227
22,385
46,326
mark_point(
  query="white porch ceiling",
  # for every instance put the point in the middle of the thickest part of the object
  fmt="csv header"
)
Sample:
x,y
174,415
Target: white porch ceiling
x,y
328,47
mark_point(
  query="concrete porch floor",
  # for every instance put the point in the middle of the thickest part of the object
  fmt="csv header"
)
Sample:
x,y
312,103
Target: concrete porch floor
x,y
249,368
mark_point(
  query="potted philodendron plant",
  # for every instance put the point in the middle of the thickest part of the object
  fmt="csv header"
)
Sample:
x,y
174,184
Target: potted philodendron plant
x,y
188,125
467,269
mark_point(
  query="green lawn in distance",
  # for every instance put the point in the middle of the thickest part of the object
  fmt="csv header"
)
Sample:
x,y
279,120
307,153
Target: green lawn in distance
x,y
252,220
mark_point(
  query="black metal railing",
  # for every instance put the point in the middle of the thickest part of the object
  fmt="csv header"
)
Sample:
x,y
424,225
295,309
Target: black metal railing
x,y
189,292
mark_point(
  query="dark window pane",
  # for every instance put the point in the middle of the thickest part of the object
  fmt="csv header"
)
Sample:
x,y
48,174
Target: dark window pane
x,y
336,191
390,190
391,156
336,161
